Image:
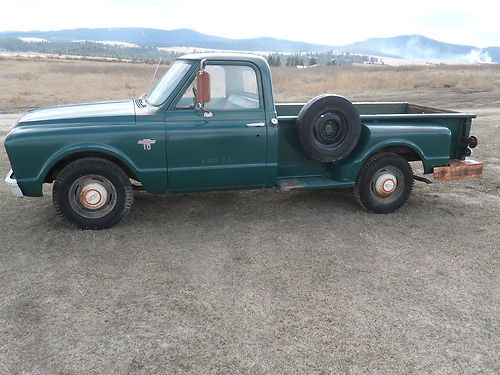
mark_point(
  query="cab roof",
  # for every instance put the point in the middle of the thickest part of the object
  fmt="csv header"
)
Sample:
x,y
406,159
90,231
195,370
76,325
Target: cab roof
x,y
225,57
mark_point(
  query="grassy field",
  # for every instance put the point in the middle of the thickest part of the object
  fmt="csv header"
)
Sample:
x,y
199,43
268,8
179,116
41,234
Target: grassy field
x,y
30,84
257,282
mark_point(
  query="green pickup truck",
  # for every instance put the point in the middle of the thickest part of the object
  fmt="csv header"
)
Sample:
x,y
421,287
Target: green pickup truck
x,y
211,123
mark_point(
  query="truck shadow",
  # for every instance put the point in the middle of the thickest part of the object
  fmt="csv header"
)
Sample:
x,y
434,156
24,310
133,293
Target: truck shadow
x,y
246,205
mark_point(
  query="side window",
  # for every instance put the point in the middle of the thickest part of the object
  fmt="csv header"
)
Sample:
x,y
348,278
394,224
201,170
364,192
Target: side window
x,y
217,81
232,87
250,82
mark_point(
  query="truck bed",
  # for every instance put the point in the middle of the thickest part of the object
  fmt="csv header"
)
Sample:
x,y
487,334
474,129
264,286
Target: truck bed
x,y
453,126
368,110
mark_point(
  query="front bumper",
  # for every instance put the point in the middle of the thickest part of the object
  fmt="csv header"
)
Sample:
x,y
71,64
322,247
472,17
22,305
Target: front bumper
x,y
12,184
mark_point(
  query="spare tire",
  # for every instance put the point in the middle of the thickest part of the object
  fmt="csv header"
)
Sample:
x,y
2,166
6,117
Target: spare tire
x,y
329,127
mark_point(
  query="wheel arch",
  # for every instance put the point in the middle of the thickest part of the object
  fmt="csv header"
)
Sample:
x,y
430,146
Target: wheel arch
x,y
348,169
65,157
408,150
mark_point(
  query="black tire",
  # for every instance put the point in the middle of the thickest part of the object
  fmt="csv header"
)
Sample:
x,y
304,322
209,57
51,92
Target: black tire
x,y
329,128
376,190
92,193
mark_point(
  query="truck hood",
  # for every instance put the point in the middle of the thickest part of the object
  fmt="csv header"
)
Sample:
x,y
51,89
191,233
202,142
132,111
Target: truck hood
x,y
119,112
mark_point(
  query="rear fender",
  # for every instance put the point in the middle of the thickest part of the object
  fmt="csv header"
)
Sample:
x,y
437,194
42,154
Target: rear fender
x,y
430,144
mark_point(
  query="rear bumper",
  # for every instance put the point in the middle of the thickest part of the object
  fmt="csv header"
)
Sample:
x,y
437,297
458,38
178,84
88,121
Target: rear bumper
x,y
459,170
12,184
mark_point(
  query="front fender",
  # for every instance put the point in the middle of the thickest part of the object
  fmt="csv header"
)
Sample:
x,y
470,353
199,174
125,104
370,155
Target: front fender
x,y
33,186
94,149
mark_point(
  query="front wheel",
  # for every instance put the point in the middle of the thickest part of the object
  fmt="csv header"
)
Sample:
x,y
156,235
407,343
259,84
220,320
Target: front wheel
x,y
384,183
92,193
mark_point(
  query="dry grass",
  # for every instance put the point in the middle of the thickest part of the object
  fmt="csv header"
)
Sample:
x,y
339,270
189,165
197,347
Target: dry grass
x,y
248,282
365,81
35,83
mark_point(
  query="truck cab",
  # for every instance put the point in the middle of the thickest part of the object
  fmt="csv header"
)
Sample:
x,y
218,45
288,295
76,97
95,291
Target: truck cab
x,y
232,142
211,123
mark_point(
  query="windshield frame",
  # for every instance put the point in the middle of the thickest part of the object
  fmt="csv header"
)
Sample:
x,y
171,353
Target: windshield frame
x,y
168,83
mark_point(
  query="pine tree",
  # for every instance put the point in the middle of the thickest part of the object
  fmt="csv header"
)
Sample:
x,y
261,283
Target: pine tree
x,y
270,60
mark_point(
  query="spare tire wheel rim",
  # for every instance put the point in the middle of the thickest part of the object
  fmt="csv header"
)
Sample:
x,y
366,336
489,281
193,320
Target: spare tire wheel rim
x,y
387,184
92,196
330,129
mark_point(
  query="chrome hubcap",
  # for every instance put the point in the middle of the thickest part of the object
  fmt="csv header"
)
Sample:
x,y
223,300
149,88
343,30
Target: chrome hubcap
x,y
92,196
386,184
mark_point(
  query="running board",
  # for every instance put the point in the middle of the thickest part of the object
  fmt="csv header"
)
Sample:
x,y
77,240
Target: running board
x,y
310,183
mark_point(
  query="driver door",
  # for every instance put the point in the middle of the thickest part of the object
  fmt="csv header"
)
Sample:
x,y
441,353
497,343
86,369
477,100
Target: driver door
x,y
226,150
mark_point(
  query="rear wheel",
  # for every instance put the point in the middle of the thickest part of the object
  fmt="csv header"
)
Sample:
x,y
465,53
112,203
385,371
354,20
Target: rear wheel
x,y
384,183
92,193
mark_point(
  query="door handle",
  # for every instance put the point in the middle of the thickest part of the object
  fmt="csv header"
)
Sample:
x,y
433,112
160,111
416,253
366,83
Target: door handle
x,y
256,125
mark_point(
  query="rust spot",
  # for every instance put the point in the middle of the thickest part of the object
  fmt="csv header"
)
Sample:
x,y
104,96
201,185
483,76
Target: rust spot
x,y
459,170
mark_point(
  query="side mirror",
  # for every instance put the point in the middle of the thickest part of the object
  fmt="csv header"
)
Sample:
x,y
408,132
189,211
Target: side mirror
x,y
203,87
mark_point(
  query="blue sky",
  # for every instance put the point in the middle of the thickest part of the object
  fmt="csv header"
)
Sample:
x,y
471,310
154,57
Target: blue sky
x,y
327,22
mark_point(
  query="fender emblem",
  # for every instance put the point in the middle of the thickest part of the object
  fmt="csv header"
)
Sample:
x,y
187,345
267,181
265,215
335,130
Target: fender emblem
x,y
147,143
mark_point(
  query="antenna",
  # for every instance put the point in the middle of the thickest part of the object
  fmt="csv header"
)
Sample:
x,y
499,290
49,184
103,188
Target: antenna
x,y
154,76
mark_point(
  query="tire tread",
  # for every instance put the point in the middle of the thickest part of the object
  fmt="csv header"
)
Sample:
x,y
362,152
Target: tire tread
x,y
364,174
94,162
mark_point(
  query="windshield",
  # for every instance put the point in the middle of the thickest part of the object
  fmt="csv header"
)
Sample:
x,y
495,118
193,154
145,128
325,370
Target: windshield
x,y
168,82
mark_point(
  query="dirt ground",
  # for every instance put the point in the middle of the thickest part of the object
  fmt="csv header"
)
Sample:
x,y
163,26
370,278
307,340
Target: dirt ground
x,y
262,282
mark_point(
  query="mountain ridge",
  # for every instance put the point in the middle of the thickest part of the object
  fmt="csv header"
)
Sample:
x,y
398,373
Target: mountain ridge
x,y
414,46
170,38
421,47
